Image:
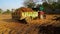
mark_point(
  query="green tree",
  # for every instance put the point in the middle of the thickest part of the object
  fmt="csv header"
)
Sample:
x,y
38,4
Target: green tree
x,y
7,11
46,5
55,5
29,3
1,10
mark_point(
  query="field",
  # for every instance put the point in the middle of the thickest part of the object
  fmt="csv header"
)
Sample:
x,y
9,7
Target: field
x,y
47,26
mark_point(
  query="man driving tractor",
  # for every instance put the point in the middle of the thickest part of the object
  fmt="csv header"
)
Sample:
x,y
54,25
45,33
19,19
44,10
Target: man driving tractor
x,y
41,13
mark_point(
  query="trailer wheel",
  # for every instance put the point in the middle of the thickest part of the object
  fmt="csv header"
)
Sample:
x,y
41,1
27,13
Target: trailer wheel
x,y
28,20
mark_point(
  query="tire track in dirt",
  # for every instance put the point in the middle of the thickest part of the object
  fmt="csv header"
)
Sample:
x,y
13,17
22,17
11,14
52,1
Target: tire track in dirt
x,y
6,31
15,29
28,30
31,30
20,31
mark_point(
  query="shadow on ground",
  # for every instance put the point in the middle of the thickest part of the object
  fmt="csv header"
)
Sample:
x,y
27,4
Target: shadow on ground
x,y
49,30
15,21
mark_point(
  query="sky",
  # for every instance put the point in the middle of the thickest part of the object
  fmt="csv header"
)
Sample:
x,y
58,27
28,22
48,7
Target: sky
x,y
11,4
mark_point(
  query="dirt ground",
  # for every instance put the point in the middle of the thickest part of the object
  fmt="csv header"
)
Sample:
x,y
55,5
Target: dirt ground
x,y
9,26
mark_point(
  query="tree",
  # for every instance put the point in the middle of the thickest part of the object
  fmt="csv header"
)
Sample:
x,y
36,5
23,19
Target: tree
x,y
29,3
52,6
1,10
7,11
55,5
46,5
